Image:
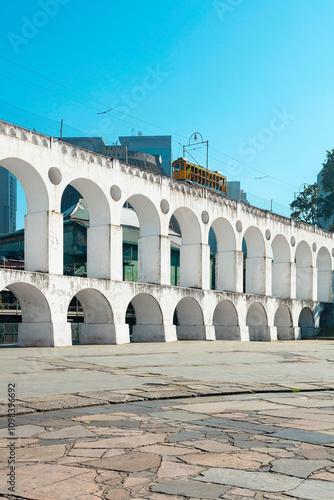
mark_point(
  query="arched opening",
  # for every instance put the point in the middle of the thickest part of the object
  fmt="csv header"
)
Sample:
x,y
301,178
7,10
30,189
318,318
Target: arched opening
x,y
87,229
304,272
225,320
326,324
75,316
10,317
141,240
188,319
190,248
324,275
283,324
306,323
24,205
255,272
91,318
225,255
257,323
281,267
147,323
32,317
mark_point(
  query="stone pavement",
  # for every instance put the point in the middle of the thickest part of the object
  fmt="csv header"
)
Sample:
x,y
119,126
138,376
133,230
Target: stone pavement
x,y
224,433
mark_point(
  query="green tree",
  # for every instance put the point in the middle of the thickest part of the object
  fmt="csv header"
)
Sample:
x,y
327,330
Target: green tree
x,y
307,206
328,187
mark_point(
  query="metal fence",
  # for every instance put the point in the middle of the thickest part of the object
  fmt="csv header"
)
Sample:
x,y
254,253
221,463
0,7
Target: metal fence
x,y
9,331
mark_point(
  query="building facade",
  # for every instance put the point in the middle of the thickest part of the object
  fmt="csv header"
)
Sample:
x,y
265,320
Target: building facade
x,y
8,201
153,145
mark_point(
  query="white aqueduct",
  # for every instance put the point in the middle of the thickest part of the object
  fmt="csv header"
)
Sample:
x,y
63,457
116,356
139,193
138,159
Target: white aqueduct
x,y
288,267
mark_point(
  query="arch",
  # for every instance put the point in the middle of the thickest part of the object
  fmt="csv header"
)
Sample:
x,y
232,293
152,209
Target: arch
x,y
281,268
255,276
149,242
189,321
283,323
37,220
225,257
148,326
225,321
304,272
191,248
306,323
31,181
147,214
98,232
98,326
324,275
257,322
36,329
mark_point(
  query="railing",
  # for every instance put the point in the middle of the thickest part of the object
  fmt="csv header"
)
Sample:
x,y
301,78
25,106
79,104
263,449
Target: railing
x,y
8,333
76,329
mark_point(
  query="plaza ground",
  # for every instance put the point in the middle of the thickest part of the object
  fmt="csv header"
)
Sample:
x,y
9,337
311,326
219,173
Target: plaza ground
x,y
157,421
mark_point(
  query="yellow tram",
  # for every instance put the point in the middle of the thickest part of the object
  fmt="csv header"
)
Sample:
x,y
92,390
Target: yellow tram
x,y
193,174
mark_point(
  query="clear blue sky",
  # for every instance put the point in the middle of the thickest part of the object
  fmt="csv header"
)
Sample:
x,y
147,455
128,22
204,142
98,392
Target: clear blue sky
x,y
255,77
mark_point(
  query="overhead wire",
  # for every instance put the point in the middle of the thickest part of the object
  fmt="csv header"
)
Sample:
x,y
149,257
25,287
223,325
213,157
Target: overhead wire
x,y
246,165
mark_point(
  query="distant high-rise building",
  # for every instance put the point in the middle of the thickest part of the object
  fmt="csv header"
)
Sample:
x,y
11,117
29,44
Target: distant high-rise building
x,y
152,144
8,202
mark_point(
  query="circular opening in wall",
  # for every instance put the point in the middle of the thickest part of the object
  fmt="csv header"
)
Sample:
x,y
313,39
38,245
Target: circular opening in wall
x,y
205,217
164,206
115,192
314,247
268,234
238,226
293,241
55,175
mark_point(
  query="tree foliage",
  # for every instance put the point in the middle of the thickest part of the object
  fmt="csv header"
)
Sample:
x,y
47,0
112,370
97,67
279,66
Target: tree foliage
x,y
307,206
328,186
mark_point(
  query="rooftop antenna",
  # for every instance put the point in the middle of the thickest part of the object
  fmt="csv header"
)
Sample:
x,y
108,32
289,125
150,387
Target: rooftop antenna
x,y
61,129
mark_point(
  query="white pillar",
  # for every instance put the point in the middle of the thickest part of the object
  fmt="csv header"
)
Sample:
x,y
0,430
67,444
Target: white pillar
x,y
43,242
94,333
104,252
258,275
154,333
293,287
229,271
195,266
44,335
314,291
324,285
281,279
154,259
304,283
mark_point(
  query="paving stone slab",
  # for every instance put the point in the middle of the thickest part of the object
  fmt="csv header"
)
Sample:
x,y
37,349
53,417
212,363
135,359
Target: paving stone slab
x,y
313,490
260,481
184,435
47,403
130,462
305,436
123,424
109,396
298,467
190,489
235,424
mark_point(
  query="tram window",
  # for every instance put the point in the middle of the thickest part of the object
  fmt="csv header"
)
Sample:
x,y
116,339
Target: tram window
x,y
182,166
176,167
